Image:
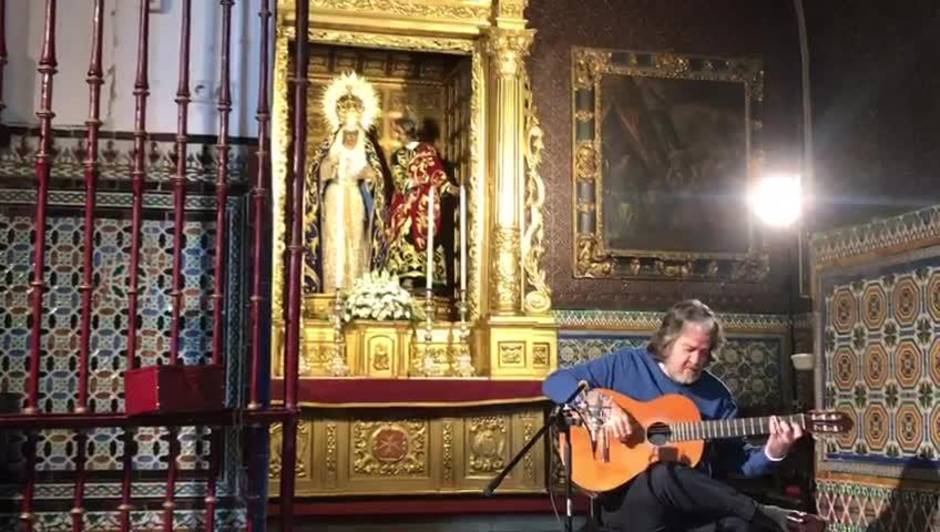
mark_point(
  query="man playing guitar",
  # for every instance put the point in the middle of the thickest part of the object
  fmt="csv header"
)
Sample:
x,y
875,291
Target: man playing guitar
x,y
671,496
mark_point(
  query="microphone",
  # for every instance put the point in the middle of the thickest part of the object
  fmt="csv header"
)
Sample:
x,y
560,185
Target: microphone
x,y
596,417
582,387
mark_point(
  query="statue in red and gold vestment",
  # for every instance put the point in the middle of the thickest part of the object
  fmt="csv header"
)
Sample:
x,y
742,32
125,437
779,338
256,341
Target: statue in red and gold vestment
x,y
417,169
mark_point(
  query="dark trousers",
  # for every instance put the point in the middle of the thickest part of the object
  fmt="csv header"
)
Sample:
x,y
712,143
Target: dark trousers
x,y
671,497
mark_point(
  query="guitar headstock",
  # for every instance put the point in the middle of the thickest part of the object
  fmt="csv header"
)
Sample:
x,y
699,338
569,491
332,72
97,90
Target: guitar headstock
x,y
828,422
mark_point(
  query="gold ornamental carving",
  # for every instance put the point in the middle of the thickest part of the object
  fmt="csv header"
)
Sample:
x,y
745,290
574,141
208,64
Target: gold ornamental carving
x,y
447,451
511,8
541,354
509,48
588,67
276,438
407,8
359,452
528,464
331,451
380,349
280,137
390,449
585,161
488,438
506,268
672,64
583,116
400,42
302,465
590,262
537,299
512,353
430,360
476,191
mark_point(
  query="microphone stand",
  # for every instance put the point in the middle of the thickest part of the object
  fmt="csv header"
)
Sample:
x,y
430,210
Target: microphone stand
x,y
562,420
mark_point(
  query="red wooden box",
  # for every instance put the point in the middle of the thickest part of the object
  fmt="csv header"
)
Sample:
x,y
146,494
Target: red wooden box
x,y
171,389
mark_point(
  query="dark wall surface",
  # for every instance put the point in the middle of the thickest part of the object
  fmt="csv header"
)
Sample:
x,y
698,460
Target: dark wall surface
x,y
730,28
875,87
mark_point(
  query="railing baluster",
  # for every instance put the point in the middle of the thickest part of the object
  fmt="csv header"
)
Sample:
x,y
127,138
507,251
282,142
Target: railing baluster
x,y
47,70
94,79
292,356
221,183
221,221
3,50
138,175
179,208
183,97
259,196
259,201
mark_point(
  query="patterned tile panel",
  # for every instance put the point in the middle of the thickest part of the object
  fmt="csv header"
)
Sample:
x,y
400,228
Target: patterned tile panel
x,y
115,200
574,350
882,365
854,506
59,380
17,158
648,321
906,230
751,367
141,521
58,383
108,490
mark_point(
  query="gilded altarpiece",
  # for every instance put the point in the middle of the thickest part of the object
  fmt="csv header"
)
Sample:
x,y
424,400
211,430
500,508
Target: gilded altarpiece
x,y
460,65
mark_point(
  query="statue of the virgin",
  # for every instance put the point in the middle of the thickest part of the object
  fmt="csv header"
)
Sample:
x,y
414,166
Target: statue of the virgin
x,y
345,199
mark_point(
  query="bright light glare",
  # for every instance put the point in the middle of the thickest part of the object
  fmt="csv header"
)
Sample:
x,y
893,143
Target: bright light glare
x,y
776,199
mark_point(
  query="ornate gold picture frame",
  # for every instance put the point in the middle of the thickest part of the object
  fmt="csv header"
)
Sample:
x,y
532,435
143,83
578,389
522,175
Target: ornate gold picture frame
x,y
662,153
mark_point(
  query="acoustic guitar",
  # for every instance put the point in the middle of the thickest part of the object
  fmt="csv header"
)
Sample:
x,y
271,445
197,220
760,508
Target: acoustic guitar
x,y
667,428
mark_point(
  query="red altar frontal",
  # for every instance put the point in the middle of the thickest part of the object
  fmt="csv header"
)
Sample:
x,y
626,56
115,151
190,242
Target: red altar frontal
x,y
361,436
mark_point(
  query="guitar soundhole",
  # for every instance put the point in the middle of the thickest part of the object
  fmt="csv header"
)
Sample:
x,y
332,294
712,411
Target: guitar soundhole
x,y
658,434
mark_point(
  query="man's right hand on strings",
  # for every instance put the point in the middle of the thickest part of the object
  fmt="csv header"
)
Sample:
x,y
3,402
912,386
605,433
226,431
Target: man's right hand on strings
x,y
617,423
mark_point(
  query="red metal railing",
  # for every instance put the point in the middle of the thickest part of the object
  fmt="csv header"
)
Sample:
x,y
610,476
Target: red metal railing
x,y
255,414
298,90
3,50
259,196
93,124
138,177
221,200
47,70
179,209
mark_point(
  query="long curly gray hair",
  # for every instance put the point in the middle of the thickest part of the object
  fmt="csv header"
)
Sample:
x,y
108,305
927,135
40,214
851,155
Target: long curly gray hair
x,y
688,311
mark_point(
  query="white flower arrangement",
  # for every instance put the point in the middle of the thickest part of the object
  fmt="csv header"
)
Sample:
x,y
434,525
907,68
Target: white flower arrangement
x,y
378,296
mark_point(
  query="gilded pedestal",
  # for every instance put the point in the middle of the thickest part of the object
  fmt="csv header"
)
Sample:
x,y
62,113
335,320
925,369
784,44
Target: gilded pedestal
x,y
375,452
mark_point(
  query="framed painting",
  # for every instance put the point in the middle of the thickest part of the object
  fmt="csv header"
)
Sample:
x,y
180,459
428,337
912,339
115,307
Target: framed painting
x,y
663,152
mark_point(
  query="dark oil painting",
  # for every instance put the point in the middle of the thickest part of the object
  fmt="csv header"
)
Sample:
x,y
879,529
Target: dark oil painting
x,y
673,165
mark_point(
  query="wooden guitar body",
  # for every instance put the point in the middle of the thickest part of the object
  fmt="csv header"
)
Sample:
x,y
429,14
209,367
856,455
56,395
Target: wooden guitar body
x,y
630,458
668,428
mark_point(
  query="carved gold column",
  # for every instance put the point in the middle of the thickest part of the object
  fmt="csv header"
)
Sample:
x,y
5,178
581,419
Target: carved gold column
x,y
519,344
508,44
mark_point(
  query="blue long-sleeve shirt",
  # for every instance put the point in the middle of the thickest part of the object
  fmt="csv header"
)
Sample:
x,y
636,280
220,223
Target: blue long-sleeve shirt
x,y
636,374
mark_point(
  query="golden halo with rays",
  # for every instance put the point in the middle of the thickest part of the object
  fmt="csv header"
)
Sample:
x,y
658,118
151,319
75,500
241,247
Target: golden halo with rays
x,y
349,97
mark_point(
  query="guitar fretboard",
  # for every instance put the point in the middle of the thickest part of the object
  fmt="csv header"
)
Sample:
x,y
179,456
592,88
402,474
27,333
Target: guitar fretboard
x,y
728,428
